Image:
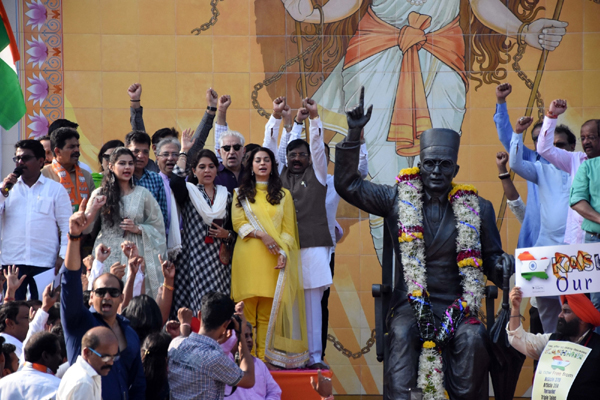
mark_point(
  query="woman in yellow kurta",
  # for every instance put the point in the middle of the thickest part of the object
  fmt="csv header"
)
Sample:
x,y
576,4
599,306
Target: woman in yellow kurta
x,y
265,266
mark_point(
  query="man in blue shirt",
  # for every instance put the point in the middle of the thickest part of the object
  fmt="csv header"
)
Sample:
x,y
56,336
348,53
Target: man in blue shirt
x,y
530,228
126,379
554,186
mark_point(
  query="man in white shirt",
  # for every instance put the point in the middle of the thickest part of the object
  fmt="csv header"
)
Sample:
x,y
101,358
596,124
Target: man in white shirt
x,y
14,323
35,215
36,380
83,381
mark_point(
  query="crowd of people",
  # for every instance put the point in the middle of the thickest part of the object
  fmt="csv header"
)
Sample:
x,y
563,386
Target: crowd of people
x,y
562,207
191,276
195,275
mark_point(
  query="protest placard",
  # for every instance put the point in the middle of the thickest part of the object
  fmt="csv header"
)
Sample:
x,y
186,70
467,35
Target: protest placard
x,y
558,270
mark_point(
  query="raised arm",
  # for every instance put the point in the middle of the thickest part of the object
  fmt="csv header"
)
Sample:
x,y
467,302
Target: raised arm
x,y
272,128
524,342
525,169
317,147
165,293
73,313
221,125
206,124
370,197
135,108
513,199
560,158
288,136
501,118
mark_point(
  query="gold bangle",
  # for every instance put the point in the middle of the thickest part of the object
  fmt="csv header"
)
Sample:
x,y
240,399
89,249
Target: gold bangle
x,y
171,288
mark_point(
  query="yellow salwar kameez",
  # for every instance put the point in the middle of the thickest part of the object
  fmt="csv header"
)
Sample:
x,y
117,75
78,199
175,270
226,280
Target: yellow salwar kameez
x,y
274,297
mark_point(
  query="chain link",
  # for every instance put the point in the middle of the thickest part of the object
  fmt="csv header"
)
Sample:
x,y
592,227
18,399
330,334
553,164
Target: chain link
x,y
340,347
255,103
212,21
528,82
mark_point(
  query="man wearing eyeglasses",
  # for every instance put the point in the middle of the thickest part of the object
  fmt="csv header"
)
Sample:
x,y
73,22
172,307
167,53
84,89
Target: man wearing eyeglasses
x,y
139,144
553,188
35,214
83,380
126,379
167,155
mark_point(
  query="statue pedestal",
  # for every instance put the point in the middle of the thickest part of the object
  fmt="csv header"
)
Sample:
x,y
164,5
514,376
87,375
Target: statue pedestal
x,y
295,384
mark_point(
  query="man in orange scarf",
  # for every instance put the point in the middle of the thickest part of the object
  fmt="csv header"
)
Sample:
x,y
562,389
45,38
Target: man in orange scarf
x,y
576,323
65,168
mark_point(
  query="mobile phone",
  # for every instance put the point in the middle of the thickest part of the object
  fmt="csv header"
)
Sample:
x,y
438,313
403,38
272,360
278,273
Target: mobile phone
x,y
218,222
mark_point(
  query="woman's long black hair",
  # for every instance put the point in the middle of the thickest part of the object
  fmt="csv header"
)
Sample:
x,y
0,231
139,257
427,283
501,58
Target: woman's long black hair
x,y
154,360
111,144
144,316
247,189
111,211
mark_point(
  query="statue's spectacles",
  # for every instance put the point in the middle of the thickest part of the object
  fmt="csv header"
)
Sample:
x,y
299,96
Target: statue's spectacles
x,y
445,165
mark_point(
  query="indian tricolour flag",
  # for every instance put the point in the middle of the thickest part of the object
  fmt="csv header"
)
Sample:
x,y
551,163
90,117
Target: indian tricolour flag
x,y
12,104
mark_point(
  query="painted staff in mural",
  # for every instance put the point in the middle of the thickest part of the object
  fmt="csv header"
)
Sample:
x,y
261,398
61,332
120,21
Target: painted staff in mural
x,y
415,59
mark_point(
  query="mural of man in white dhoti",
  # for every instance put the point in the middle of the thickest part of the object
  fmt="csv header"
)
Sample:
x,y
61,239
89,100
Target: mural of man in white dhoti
x,y
410,57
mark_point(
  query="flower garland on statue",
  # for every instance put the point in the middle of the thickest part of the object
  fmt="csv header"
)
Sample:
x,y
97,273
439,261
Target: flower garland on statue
x,y
465,205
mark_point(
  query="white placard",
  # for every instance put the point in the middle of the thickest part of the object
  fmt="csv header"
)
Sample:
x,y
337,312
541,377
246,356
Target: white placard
x,y
558,270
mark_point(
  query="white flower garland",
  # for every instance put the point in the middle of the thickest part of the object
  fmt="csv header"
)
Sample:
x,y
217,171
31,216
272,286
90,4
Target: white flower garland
x,y
465,205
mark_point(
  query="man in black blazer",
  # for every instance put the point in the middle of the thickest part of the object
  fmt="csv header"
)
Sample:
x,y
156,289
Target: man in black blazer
x,y
466,357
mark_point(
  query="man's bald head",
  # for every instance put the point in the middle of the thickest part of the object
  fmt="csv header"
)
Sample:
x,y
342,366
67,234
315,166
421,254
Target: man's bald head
x,y
97,344
98,335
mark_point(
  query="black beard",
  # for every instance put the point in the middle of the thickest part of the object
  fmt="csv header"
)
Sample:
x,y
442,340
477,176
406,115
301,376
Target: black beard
x,y
567,329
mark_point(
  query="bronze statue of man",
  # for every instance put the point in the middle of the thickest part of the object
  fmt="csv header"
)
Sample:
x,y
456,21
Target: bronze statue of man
x,y
466,356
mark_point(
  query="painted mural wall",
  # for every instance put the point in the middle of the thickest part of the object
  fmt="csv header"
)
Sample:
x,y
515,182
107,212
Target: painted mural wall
x,y
423,63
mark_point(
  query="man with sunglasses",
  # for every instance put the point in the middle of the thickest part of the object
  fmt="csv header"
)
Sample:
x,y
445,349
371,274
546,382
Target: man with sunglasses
x,y
83,380
35,214
553,188
126,378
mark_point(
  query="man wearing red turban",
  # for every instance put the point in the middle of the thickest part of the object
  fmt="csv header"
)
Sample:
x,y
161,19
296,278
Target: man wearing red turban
x,y
576,323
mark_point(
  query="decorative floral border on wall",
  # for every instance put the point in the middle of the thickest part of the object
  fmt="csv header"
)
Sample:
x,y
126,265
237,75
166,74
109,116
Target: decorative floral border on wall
x,y
43,65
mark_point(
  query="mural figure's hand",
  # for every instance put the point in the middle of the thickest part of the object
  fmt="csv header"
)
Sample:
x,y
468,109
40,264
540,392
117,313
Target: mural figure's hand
x,y
357,118
545,34
298,9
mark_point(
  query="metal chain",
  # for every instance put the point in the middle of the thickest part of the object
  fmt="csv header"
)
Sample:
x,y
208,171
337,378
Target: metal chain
x,y
255,103
528,82
212,21
340,347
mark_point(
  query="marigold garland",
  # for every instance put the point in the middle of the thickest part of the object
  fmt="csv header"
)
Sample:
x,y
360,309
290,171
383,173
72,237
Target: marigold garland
x,y
465,205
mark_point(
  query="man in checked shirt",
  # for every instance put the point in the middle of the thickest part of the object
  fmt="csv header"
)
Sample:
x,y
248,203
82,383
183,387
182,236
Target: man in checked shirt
x,y
198,367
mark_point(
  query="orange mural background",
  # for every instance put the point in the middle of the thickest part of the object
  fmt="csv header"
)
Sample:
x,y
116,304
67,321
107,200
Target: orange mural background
x,y
106,45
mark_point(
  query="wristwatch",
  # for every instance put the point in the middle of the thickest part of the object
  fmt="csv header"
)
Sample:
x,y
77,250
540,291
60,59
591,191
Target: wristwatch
x,y
209,108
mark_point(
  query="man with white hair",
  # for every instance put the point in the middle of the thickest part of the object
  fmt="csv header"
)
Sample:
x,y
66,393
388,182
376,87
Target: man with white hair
x,y
229,147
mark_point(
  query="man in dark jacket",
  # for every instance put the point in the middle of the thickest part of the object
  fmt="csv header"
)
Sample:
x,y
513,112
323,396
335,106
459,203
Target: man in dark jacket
x,y
466,356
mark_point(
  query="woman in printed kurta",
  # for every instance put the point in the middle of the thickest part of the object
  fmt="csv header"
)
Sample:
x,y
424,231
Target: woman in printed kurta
x,y
130,213
265,269
206,226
